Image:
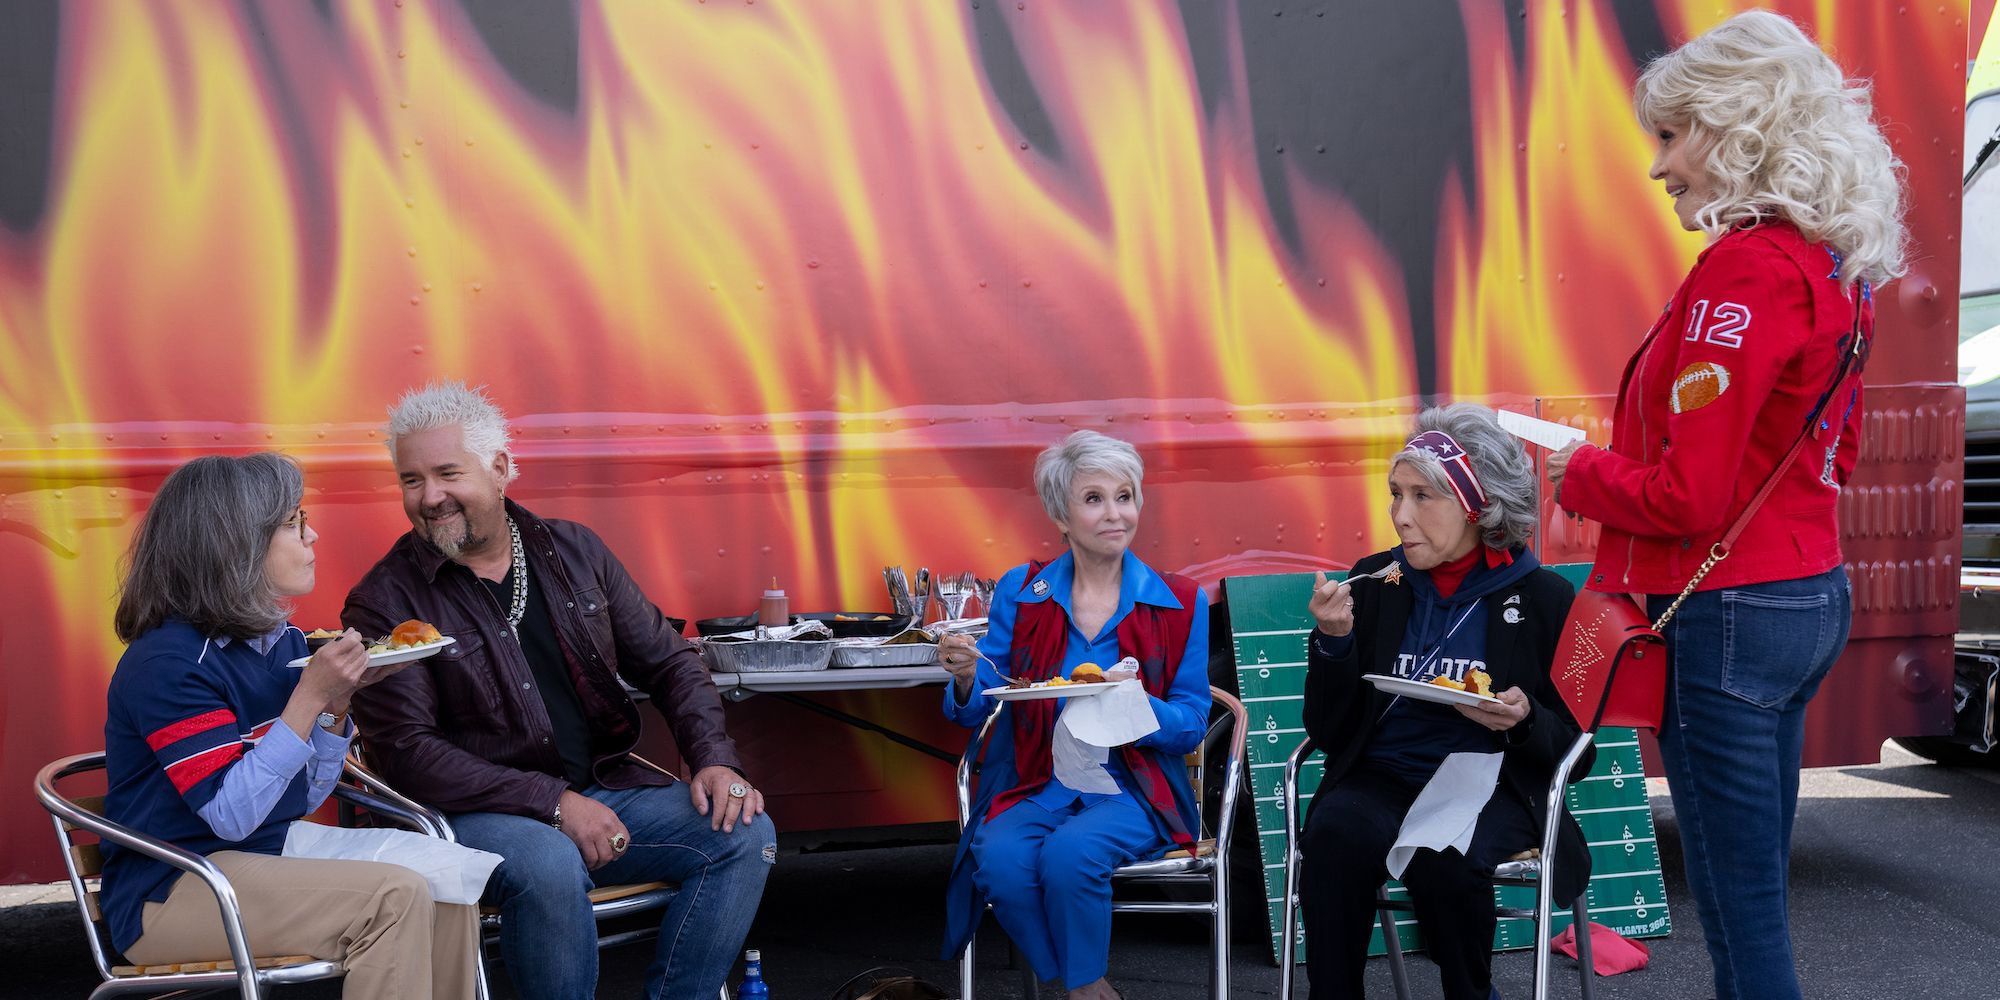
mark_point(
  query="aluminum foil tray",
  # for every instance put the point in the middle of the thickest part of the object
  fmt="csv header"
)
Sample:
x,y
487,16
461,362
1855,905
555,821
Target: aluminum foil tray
x,y
766,655
907,654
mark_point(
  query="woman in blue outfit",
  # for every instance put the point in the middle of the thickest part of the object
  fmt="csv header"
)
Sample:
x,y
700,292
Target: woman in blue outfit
x,y
1040,851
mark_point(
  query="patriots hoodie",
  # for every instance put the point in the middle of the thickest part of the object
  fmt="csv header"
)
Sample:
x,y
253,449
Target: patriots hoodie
x,y
1446,636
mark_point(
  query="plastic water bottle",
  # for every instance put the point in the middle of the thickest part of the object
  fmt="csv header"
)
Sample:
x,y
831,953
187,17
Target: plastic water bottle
x,y
753,977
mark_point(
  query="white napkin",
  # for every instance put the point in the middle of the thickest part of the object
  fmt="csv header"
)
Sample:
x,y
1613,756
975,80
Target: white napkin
x,y
1447,809
1079,765
1111,719
1091,725
457,874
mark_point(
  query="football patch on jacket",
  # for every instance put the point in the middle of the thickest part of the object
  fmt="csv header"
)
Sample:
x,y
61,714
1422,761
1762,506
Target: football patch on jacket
x,y
1698,385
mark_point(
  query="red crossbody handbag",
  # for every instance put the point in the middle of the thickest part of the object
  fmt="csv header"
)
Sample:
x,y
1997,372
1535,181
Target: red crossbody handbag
x,y
1602,665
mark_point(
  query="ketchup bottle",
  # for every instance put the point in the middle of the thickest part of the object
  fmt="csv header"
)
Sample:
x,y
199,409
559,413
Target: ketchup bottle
x,y
774,609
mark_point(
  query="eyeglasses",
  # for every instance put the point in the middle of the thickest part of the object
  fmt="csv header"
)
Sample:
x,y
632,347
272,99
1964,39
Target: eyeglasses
x,y
298,521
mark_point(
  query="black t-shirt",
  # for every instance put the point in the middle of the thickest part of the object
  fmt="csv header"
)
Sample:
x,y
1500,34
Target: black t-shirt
x,y
545,660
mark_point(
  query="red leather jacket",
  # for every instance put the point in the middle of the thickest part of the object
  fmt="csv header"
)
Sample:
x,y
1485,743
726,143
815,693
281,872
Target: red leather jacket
x,y
462,732
1714,397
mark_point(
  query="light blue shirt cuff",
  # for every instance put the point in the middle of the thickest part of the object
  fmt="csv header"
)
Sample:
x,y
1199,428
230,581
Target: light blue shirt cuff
x,y
252,786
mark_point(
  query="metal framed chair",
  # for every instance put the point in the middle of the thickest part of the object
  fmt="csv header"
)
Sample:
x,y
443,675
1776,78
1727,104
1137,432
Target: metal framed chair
x,y
1206,867
244,972
606,902
1533,871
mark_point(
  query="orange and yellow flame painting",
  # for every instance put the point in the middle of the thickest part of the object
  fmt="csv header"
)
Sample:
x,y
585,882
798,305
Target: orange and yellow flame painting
x,y
782,289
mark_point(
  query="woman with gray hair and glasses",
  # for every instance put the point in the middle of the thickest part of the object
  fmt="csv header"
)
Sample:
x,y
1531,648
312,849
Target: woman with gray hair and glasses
x,y
1461,601
1046,829
216,744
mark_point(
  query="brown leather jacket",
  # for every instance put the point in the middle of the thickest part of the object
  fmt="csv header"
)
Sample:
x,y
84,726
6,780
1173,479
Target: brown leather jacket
x,y
464,732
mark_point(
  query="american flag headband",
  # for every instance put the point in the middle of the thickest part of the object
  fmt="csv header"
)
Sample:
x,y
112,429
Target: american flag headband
x,y
1457,467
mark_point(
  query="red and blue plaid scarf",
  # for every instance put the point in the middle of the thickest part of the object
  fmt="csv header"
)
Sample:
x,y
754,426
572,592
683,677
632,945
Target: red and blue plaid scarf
x,y
1154,636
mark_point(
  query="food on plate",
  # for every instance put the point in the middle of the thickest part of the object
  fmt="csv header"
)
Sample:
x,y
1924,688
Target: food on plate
x,y
1446,682
1087,673
321,636
1479,682
412,633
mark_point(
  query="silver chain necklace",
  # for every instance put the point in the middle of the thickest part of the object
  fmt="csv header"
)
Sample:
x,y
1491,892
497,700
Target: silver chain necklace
x,y
520,606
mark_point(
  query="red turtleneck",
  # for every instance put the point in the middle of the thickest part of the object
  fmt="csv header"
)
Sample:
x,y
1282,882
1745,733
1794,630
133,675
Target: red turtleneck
x,y
1447,576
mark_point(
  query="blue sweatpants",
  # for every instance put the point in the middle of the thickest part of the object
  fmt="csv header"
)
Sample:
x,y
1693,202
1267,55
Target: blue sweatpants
x,y
1048,876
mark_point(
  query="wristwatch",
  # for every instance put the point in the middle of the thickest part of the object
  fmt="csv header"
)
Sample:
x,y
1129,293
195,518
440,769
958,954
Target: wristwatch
x,y
328,721
555,818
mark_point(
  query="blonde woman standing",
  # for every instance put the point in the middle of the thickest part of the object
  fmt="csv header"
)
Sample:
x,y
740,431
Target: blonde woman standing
x,y
1765,146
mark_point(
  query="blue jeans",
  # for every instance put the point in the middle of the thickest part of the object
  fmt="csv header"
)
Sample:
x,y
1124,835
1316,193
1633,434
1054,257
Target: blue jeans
x,y
1745,661
547,934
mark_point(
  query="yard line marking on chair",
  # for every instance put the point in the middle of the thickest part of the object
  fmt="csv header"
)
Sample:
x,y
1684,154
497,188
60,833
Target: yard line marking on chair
x,y
1276,663
1595,910
1614,746
1609,843
1609,809
1277,697
1606,875
1271,632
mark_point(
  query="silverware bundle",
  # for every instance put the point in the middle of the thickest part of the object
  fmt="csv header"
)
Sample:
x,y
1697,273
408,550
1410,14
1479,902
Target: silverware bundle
x,y
899,590
951,592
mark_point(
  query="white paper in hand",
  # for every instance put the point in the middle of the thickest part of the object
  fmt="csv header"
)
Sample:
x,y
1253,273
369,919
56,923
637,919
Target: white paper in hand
x,y
1534,430
457,874
1447,809
1114,718
1079,765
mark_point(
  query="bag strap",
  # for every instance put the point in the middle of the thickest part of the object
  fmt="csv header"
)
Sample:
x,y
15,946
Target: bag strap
x,y
1851,364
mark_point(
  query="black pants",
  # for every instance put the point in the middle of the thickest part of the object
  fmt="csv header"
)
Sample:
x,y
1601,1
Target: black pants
x,y
1346,848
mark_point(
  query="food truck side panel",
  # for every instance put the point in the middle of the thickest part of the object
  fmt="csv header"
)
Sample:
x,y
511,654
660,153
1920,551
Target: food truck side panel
x,y
797,291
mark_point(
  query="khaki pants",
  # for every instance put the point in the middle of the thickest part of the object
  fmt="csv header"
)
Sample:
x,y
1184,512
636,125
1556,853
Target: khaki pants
x,y
377,920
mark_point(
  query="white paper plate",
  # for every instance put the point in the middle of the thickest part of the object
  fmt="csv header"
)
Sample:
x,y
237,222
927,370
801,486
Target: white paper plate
x,y
1042,693
1427,692
393,656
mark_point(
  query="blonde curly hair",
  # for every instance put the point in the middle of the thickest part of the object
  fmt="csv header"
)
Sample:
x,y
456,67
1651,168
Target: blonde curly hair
x,y
1786,136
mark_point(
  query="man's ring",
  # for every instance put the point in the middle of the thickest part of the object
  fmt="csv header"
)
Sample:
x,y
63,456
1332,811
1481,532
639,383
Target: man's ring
x,y
619,843
737,790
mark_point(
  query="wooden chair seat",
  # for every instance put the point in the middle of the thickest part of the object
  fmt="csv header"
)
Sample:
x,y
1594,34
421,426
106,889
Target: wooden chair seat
x,y
279,962
1202,849
607,894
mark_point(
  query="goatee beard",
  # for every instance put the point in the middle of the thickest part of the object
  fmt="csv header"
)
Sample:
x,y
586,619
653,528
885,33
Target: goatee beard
x,y
451,543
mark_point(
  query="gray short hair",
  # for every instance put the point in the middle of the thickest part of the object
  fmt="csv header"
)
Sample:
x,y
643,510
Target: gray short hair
x,y
199,551
1788,136
451,404
1084,451
1513,498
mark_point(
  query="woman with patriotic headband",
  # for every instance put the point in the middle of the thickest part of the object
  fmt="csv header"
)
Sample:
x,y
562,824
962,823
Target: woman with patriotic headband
x,y
215,743
1461,599
1767,147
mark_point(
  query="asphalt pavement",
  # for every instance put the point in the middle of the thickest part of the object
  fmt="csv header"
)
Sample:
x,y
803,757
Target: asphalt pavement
x,y
1895,894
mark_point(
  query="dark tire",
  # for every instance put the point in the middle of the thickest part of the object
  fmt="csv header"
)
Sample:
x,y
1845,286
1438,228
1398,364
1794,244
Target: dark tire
x,y
1947,752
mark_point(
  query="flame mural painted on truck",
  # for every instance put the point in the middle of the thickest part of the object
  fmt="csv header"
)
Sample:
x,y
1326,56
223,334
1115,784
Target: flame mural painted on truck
x,y
795,289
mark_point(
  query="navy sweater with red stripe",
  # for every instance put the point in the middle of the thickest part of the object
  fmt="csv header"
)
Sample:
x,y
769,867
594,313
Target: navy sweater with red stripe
x,y
181,709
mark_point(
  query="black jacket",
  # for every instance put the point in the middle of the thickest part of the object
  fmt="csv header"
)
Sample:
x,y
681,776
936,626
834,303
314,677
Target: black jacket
x,y
1341,709
462,731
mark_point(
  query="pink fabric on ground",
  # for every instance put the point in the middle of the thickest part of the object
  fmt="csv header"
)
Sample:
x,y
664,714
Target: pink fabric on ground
x,y
1611,952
